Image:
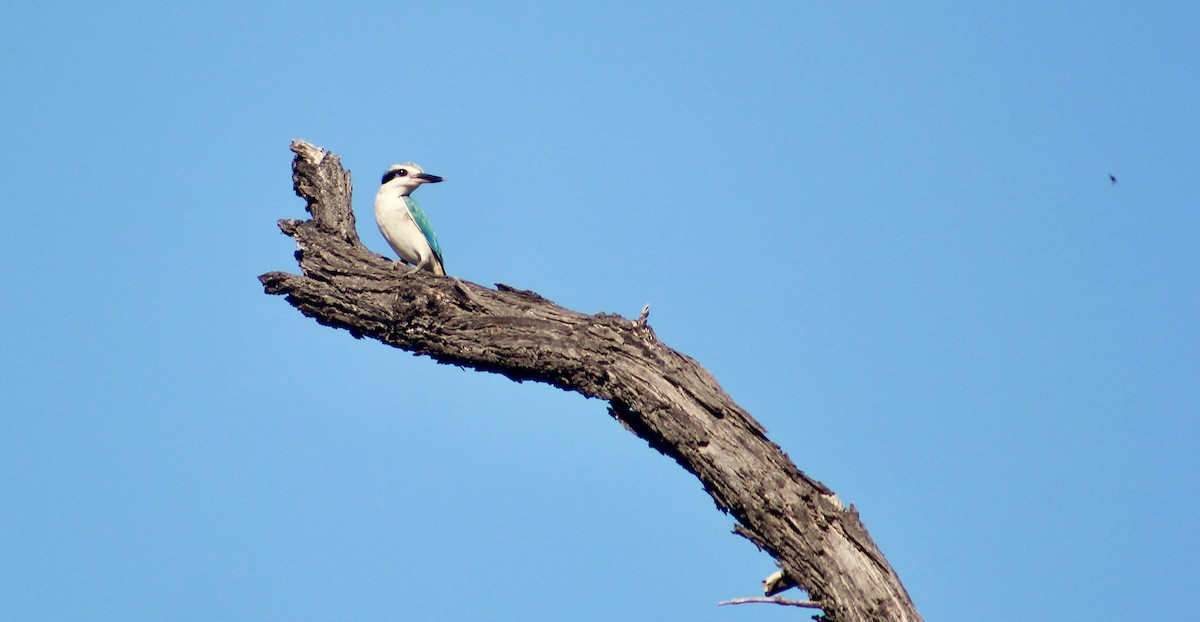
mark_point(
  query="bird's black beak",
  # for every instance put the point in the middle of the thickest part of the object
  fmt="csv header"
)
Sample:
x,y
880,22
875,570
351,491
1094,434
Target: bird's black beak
x,y
433,179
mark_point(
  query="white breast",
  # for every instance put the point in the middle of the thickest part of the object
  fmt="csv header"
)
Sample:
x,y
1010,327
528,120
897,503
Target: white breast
x,y
399,228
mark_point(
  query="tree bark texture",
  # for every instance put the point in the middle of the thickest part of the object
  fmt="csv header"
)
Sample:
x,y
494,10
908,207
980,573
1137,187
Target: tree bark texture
x,y
662,396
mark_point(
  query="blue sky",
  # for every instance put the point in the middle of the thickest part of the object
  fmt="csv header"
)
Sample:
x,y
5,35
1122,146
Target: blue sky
x,y
887,230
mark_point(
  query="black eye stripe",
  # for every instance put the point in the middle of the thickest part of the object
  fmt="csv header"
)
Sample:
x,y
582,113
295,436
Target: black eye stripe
x,y
392,174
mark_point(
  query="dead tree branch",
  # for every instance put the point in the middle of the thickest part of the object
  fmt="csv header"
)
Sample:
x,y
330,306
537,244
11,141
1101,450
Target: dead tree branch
x,y
664,397
778,600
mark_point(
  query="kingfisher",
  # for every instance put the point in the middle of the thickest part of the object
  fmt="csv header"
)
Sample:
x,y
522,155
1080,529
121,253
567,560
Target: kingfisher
x,y
402,221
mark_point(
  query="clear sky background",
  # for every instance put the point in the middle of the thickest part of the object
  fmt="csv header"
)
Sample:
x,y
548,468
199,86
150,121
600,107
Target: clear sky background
x,y
888,230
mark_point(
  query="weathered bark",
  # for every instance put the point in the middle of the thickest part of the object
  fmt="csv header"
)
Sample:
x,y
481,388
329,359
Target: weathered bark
x,y
662,396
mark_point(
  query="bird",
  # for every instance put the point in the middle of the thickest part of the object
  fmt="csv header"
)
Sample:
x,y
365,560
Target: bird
x,y
402,221
1112,178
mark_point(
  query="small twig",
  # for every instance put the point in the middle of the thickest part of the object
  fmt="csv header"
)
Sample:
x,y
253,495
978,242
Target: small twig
x,y
778,600
641,321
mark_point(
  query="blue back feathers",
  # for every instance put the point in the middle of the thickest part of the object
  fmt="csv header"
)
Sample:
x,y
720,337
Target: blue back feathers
x,y
418,215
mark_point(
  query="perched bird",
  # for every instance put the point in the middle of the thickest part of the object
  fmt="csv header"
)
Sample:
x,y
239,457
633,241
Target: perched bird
x,y
403,223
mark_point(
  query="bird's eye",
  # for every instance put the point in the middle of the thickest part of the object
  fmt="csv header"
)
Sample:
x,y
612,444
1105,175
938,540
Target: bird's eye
x,y
394,173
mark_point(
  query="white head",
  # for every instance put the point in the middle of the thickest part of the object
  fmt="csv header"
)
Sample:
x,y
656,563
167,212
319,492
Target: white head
x,y
405,178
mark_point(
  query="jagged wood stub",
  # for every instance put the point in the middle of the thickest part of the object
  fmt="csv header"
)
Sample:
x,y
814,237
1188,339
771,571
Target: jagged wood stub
x,y
662,396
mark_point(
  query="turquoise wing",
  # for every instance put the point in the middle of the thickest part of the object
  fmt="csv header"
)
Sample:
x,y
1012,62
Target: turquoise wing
x,y
418,215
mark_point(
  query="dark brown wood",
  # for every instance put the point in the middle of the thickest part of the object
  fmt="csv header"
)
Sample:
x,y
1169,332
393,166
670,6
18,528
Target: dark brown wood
x,y
662,396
